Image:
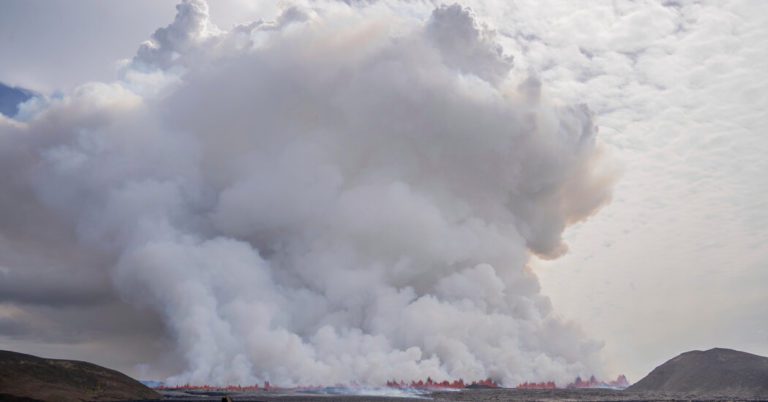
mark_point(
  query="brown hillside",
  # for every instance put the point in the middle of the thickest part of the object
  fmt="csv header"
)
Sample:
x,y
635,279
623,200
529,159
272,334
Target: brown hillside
x,y
713,372
26,376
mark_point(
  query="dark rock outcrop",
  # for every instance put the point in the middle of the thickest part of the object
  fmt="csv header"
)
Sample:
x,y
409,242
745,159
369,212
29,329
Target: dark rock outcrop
x,y
715,372
26,377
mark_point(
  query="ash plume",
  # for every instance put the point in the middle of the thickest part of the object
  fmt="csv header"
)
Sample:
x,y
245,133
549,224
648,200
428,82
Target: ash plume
x,y
344,195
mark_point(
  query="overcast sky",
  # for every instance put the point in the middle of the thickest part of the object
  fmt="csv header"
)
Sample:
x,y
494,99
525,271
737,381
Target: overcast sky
x,y
677,261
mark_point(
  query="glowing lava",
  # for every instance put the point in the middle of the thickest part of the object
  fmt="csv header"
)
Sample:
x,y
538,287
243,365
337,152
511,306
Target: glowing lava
x,y
428,384
619,383
537,385
227,388
431,384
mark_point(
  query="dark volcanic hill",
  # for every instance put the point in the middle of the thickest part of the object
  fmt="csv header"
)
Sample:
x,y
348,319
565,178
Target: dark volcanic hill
x,y
25,376
713,372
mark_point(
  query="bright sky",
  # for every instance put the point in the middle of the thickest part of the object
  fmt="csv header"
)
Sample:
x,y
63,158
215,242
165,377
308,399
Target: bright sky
x,y
678,260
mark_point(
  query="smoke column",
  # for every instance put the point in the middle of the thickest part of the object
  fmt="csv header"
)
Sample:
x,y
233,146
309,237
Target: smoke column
x,y
345,194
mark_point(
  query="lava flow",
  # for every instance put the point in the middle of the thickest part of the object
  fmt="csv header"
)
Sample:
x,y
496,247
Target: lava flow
x,y
227,388
537,385
619,383
431,384
428,384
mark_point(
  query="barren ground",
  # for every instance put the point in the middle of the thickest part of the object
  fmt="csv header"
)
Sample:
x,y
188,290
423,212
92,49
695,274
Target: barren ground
x,y
464,395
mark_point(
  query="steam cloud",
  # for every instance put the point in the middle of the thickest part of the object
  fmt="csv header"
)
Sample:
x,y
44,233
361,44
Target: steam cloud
x,y
342,195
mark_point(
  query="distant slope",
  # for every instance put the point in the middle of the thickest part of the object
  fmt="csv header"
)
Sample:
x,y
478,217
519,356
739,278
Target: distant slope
x,y
27,376
11,97
713,372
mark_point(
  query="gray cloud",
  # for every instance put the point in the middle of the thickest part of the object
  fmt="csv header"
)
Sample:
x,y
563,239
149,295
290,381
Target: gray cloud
x,y
330,198
465,45
674,90
189,30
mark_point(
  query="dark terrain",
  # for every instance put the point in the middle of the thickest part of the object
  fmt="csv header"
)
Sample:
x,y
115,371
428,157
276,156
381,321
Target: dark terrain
x,y
477,395
30,378
713,375
713,372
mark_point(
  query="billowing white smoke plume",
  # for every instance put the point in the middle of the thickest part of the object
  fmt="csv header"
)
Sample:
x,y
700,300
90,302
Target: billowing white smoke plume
x,y
341,195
